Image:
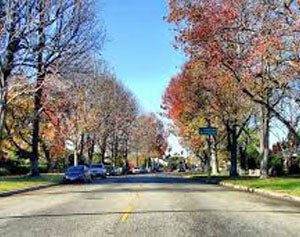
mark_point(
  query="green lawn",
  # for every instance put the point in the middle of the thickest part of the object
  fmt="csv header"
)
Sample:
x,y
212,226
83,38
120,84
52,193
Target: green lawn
x,y
289,185
286,184
13,183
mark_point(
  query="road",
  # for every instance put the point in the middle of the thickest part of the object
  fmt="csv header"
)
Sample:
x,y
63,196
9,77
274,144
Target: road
x,y
148,205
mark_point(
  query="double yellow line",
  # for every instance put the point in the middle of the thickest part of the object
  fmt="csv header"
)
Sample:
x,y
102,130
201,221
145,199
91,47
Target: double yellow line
x,y
128,211
130,208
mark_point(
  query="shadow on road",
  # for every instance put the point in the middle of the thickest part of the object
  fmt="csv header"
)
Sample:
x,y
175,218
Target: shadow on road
x,y
161,179
117,185
79,214
144,189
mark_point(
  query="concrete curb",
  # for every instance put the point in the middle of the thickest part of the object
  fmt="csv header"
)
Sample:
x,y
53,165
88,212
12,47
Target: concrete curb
x,y
23,190
266,193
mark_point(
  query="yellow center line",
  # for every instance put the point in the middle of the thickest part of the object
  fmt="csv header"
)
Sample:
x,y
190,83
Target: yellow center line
x,y
128,212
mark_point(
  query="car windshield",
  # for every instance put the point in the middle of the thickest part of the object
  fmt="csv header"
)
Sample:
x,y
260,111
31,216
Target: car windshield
x,y
75,169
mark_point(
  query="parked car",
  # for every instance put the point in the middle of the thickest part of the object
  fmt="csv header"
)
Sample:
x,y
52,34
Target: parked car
x,y
158,169
143,171
77,173
109,170
134,171
98,171
118,170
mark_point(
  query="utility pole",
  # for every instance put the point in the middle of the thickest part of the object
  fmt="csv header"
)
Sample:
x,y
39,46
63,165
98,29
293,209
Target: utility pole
x,y
75,157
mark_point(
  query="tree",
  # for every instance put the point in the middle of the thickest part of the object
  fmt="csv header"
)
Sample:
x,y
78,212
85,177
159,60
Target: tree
x,y
13,30
19,120
254,42
148,137
193,99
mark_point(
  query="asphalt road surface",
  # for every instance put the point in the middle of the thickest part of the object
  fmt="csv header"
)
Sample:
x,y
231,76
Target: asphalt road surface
x,y
146,206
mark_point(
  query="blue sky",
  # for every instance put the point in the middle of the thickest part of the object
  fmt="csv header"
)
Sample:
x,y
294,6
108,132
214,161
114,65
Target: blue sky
x,y
139,47
140,50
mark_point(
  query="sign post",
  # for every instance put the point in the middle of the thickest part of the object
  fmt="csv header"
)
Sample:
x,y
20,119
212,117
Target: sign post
x,y
210,132
71,146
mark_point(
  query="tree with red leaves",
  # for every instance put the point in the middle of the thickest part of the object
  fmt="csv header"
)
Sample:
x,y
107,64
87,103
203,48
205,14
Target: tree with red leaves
x,y
254,43
192,101
148,137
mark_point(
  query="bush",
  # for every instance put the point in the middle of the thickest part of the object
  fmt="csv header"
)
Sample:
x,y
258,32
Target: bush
x,y
120,161
15,166
4,172
294,165
22,169
253,157
276,165
298,160
43,168
22,166
60,166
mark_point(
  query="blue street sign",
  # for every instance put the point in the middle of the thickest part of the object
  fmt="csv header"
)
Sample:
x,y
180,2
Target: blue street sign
x,y
208,131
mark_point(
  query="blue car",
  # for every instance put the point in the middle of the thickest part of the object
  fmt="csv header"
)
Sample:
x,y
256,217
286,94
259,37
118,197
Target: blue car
x,y
78,173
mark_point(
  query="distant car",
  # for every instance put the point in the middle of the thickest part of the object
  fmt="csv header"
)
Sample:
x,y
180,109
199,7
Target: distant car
x,y
109,170
143,171
118,170
134,171
158,169
77,173
98,171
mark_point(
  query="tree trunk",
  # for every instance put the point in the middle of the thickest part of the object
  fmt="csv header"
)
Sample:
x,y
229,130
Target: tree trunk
x,y
35,133
36,124
3,111
126,153
38,93
137,159
233,151
116,148
81,146
102,150
91,149
47,154
264,142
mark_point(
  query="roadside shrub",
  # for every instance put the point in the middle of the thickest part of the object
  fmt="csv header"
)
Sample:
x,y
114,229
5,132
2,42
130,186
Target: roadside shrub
x,y
22,169
61,166
253,157
294,165
120,161
43,168
15,166
276,165
4,172
298,160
